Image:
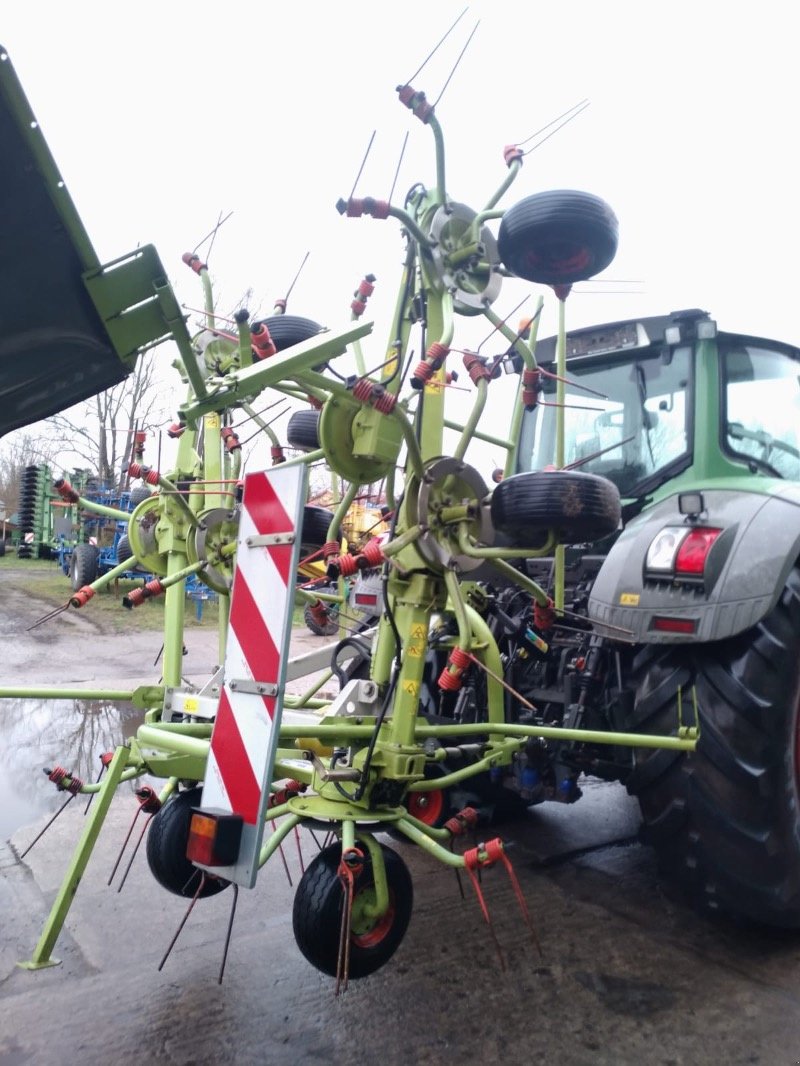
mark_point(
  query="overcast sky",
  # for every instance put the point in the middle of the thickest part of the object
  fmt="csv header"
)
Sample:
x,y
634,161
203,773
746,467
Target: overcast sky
x,y
163,115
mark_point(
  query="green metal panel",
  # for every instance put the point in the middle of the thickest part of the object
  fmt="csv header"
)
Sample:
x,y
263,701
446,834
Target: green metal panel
x,y
69,327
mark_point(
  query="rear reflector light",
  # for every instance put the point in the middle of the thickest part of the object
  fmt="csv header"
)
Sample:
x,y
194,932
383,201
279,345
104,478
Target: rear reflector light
x,y
693,551
366,599
674,625
214,837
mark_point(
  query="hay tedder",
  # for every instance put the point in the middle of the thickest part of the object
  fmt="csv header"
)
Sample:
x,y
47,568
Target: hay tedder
x,y
523,640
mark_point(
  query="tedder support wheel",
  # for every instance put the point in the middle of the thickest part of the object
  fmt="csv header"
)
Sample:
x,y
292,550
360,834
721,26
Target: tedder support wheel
x,y
287,330
166,848
83,565
725,820
580,507
316,521
558,237
138,494
316,915
302,431
331,626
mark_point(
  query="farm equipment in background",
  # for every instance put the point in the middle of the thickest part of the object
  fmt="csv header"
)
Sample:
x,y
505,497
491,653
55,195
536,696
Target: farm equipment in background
x,y
601,610
36,535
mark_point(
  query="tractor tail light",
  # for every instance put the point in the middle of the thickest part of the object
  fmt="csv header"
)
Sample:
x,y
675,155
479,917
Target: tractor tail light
x,y
692,554
214,837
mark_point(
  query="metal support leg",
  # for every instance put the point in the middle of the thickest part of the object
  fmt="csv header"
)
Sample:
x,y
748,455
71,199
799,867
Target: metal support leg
x,y
80,858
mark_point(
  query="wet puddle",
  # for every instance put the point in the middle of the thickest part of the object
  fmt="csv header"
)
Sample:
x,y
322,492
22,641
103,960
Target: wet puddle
x,y
37,733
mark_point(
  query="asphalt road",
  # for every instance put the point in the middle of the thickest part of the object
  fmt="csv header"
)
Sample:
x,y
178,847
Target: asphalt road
x,y
626,974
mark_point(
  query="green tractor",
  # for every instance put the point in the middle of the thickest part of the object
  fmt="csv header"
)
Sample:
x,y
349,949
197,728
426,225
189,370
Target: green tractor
x,y
694,605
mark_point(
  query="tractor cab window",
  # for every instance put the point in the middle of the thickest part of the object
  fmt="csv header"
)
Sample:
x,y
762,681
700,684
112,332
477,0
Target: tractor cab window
x,y
761,420
631,425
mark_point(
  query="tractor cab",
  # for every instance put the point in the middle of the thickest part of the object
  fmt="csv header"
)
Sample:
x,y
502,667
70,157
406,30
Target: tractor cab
x,y
657,404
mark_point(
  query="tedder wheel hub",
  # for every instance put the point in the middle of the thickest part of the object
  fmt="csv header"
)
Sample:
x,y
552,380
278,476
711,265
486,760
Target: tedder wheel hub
x,y
217,529
445,485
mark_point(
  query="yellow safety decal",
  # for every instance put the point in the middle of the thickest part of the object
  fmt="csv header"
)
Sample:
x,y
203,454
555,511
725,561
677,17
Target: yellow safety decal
x,y
190,704
629,599
411,688
414,650
418,632
212,420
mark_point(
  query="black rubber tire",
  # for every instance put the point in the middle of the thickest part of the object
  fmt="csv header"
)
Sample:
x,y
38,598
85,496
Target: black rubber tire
x,y
287,330
316,522
2,547
167,838
330,629
725,821
580,507
83,565
558,237
317,910
138,494
125,552
302,430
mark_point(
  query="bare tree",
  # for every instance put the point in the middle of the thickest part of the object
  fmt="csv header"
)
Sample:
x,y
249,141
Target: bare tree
x,y
100,430
16,452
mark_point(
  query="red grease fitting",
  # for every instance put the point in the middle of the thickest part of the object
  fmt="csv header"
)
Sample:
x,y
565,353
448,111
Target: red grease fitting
x,y
373,552
415,102
58,775
462,822
544,617
82,596
531,387
148,800
194,262
263,344
66,491
231,439
475,368
451,677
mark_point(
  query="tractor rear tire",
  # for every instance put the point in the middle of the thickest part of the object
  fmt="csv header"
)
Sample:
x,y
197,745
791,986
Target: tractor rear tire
x,y
316,915
725,820
167,839
558,237
581,508
83,565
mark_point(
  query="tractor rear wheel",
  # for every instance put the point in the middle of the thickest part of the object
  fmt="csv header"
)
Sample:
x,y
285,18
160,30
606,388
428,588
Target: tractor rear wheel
x,y
167,839
316,915
725,820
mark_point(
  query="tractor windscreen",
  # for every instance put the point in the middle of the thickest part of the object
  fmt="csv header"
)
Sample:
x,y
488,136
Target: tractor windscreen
x,y
761,418
634,423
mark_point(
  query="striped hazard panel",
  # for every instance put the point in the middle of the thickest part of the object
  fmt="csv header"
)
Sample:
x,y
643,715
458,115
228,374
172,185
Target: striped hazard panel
x,y
245,735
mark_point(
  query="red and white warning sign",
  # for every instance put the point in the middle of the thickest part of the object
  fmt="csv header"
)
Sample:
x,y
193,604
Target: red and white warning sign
x,y
244,739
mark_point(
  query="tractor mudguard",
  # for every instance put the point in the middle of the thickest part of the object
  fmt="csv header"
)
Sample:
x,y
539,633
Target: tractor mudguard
x,y
759,545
